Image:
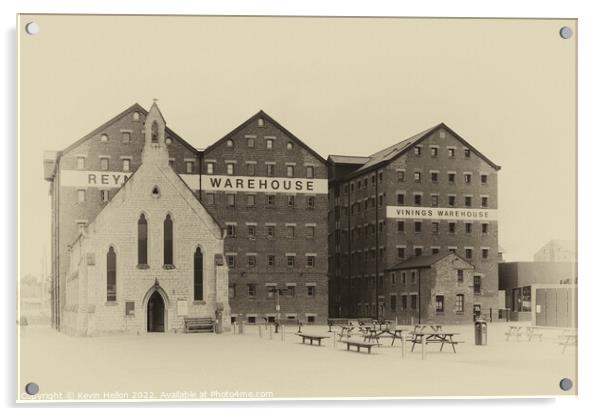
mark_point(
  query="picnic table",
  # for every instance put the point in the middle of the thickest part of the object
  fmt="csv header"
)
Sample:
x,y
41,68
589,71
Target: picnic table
x,y
311,338
438,337
530,332
514,331
373,334
567,338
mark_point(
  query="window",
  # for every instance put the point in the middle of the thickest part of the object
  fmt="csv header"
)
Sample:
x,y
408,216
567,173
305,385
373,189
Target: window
x,y
251,260
168,241
142,241
130,308
311,202
290,261
289,146
466,153
485,253
172,162
270,169
435,227
104,195
111,275
229,143
401,176
418,251
126,136
269,143
404,302
290,231
311,291
271,260
468,227
198,274
155,132
417,150
210,167
400,198
250,142
260,122
309,172
311,260
310,231
484,201
311,319
417,226
400,226
270,200
230,168
434,177
451,200
451,177
290,201
451,227
435,250
231,230
413,302
467,178
417,177
252,231
250,200
81,196
104,138
189,166
417,199
459,303
168,140
290,290
81,162
231,200
136,116
460,276
290,171
231,291
270,231
393,279
252,290
434,151
476,284
452,249
484,228
468,201
439,302
435,200
210,199
401,252
483,179
250,169
393,303
231,260
251,319
451,152
104,163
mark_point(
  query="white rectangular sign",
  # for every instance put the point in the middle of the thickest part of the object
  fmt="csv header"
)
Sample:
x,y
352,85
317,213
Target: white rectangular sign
x,y
104,179
263,184
435,213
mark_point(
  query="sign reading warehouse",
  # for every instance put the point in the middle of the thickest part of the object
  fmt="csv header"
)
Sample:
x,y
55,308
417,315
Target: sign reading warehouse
x,y
263,184
441,213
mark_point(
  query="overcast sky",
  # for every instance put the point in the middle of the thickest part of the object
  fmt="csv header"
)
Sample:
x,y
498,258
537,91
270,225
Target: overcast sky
x,y
344,86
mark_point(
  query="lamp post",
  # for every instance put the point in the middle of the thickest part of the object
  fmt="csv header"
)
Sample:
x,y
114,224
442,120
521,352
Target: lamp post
x,y
277,292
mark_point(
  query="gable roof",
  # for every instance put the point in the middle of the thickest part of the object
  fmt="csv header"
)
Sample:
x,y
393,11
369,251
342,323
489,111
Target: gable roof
x,y
133,107
392,152
348,160
265,116
422,262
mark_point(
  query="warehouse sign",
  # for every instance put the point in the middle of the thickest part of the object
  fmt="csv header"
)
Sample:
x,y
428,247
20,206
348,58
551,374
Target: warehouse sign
x,y
263,184
105,179
417,213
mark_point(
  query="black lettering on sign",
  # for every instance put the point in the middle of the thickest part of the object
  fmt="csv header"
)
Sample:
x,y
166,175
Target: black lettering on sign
x,y
287,185
299,185
91,179
263,183
215,182
228,183
239,183
116,179
310,185
251,183
104,179
275,184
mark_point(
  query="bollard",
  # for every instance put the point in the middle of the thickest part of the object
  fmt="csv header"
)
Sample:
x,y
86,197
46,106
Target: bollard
x,y
241,328
270,331
259,328
423,342
282,332
403,346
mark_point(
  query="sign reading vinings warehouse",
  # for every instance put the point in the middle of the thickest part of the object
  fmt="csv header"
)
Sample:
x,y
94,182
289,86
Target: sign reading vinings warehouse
x,y
441,213
263,184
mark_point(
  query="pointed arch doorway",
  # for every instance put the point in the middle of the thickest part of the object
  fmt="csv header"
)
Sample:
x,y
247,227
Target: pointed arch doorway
x,y
155,313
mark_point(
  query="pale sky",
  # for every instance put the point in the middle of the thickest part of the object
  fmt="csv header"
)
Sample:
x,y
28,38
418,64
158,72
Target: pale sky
x,y
344,86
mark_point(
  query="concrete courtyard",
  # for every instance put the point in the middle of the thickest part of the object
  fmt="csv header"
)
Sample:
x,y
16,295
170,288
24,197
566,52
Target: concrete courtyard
x,y
210,366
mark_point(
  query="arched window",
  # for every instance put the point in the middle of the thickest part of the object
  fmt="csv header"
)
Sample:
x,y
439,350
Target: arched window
x,y
142,241
198,274
168,241
111,275
155,132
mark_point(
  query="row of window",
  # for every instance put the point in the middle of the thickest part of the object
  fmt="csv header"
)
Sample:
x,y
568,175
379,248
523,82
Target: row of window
x,y
434,151
458,306
468,252
452,200
290,231
292,317
251,169
359,232
250,200
271,260
126,163
271,291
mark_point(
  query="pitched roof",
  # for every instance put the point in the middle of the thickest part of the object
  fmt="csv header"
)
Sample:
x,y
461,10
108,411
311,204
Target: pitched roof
x,y
383,156
421,262
348,160
265,116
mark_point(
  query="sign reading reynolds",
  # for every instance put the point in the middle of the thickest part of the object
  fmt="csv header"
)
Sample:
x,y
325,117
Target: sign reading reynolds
x,y
104,179
263,184
436,213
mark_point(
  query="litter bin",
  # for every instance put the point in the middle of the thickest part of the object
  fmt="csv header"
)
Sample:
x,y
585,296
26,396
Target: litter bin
x,y
219,325
480,332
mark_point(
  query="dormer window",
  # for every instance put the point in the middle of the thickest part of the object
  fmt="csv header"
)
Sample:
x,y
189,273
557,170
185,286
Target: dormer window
x,y
104,138
260,122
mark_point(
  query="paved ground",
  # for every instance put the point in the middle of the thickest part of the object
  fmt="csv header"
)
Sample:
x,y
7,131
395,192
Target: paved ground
x,y
199,365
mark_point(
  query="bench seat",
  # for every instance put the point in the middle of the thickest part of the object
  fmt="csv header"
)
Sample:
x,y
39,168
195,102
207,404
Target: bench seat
x,y
358,345
195,325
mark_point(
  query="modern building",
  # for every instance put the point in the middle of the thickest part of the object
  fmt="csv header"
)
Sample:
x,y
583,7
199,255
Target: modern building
x,y
152,257
557,251
541,292
269,191
428,195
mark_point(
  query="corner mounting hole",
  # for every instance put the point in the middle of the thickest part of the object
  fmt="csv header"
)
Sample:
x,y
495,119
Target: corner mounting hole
x,y
32,389
566,32
566,384
32,28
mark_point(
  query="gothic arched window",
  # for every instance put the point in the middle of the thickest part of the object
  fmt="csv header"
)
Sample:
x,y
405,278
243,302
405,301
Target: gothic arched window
x,y
168,241
198,274
155,132
142,241
111,275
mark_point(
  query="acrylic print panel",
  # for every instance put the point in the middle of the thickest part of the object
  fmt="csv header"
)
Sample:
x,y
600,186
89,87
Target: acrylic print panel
x,y
227,208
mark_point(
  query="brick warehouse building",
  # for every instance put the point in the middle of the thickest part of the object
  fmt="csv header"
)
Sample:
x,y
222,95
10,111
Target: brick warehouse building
x,y
85,176
428,195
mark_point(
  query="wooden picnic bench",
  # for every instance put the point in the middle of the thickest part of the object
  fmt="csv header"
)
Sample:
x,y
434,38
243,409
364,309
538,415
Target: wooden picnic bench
x,y
440,337
567,338
514,331
193,325
533,332
358,345
312,338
